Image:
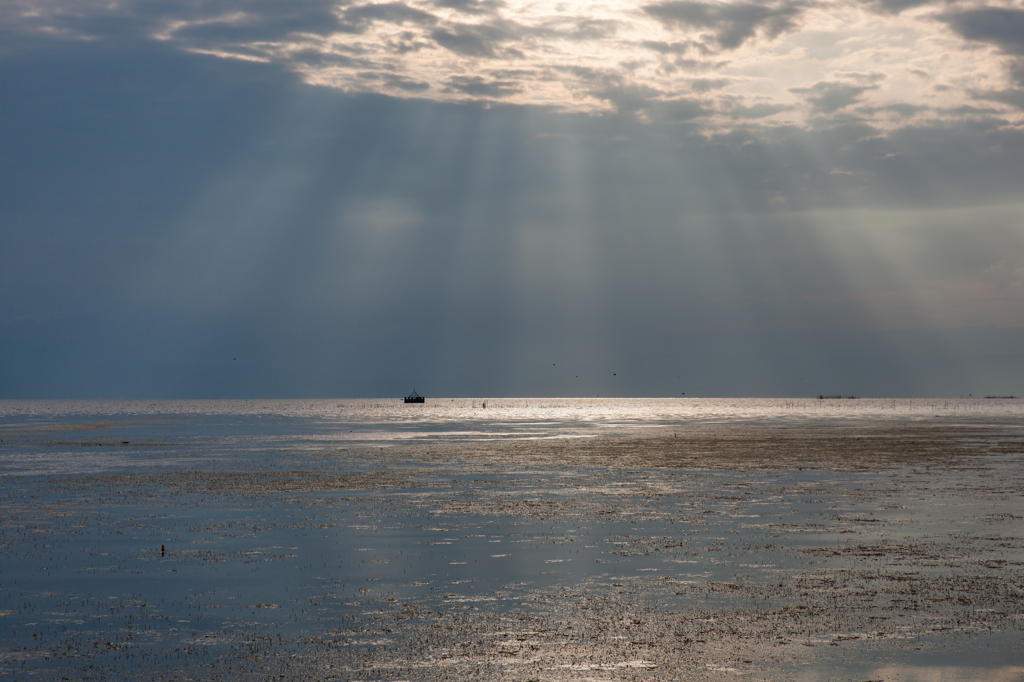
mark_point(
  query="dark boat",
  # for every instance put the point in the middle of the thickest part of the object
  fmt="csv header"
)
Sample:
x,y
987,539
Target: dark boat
x,y
415,397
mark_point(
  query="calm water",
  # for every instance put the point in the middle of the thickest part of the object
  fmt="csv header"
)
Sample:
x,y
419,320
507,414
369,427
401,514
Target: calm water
x,y
206,427
366,539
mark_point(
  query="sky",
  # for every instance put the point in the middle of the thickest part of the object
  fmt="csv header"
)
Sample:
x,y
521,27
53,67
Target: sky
x,y
335,199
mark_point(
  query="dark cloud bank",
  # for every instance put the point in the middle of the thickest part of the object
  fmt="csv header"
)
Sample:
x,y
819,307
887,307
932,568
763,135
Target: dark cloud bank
x,y
730,24
183,226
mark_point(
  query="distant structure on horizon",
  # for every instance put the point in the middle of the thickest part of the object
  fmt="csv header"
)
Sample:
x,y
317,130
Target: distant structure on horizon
x,y
415,397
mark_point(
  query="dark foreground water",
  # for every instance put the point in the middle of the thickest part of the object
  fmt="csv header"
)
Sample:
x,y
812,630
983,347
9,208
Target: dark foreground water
x,y
521,540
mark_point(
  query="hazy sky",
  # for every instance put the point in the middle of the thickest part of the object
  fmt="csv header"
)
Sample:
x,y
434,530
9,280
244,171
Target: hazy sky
x,y
317,198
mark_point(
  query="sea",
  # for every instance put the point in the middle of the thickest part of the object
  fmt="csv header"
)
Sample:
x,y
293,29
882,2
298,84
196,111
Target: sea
x,y
513,539
205,427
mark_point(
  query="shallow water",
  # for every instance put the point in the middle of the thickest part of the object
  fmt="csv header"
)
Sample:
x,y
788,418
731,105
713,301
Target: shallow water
x,y
528,539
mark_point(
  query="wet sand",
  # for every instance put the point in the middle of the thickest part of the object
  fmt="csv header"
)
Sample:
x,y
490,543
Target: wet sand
x,y
854,551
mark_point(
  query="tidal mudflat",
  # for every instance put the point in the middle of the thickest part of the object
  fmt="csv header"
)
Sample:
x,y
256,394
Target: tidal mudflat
x,y
163,544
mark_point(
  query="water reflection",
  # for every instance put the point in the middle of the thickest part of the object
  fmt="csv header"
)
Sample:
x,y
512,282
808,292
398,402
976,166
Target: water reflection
x,y
810,550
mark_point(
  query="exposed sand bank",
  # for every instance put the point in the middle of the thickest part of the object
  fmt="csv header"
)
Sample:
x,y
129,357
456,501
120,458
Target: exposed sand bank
x,y
851,552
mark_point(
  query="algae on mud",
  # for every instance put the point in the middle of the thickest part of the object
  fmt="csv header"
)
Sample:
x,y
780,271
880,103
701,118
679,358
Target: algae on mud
x,y
810,549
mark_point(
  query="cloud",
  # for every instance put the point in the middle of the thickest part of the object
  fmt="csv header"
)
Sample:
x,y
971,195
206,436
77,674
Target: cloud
x,y
209,23
905,110
255,23
476,40
1000,26
755,111
471,6
678,48
626,96
708,84
1017,71
731,23
478,87
1012,96
317,58
828,97
672,50
592,29
406,84
676,59
357,19
391,80
679,109
897,6
1004,28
